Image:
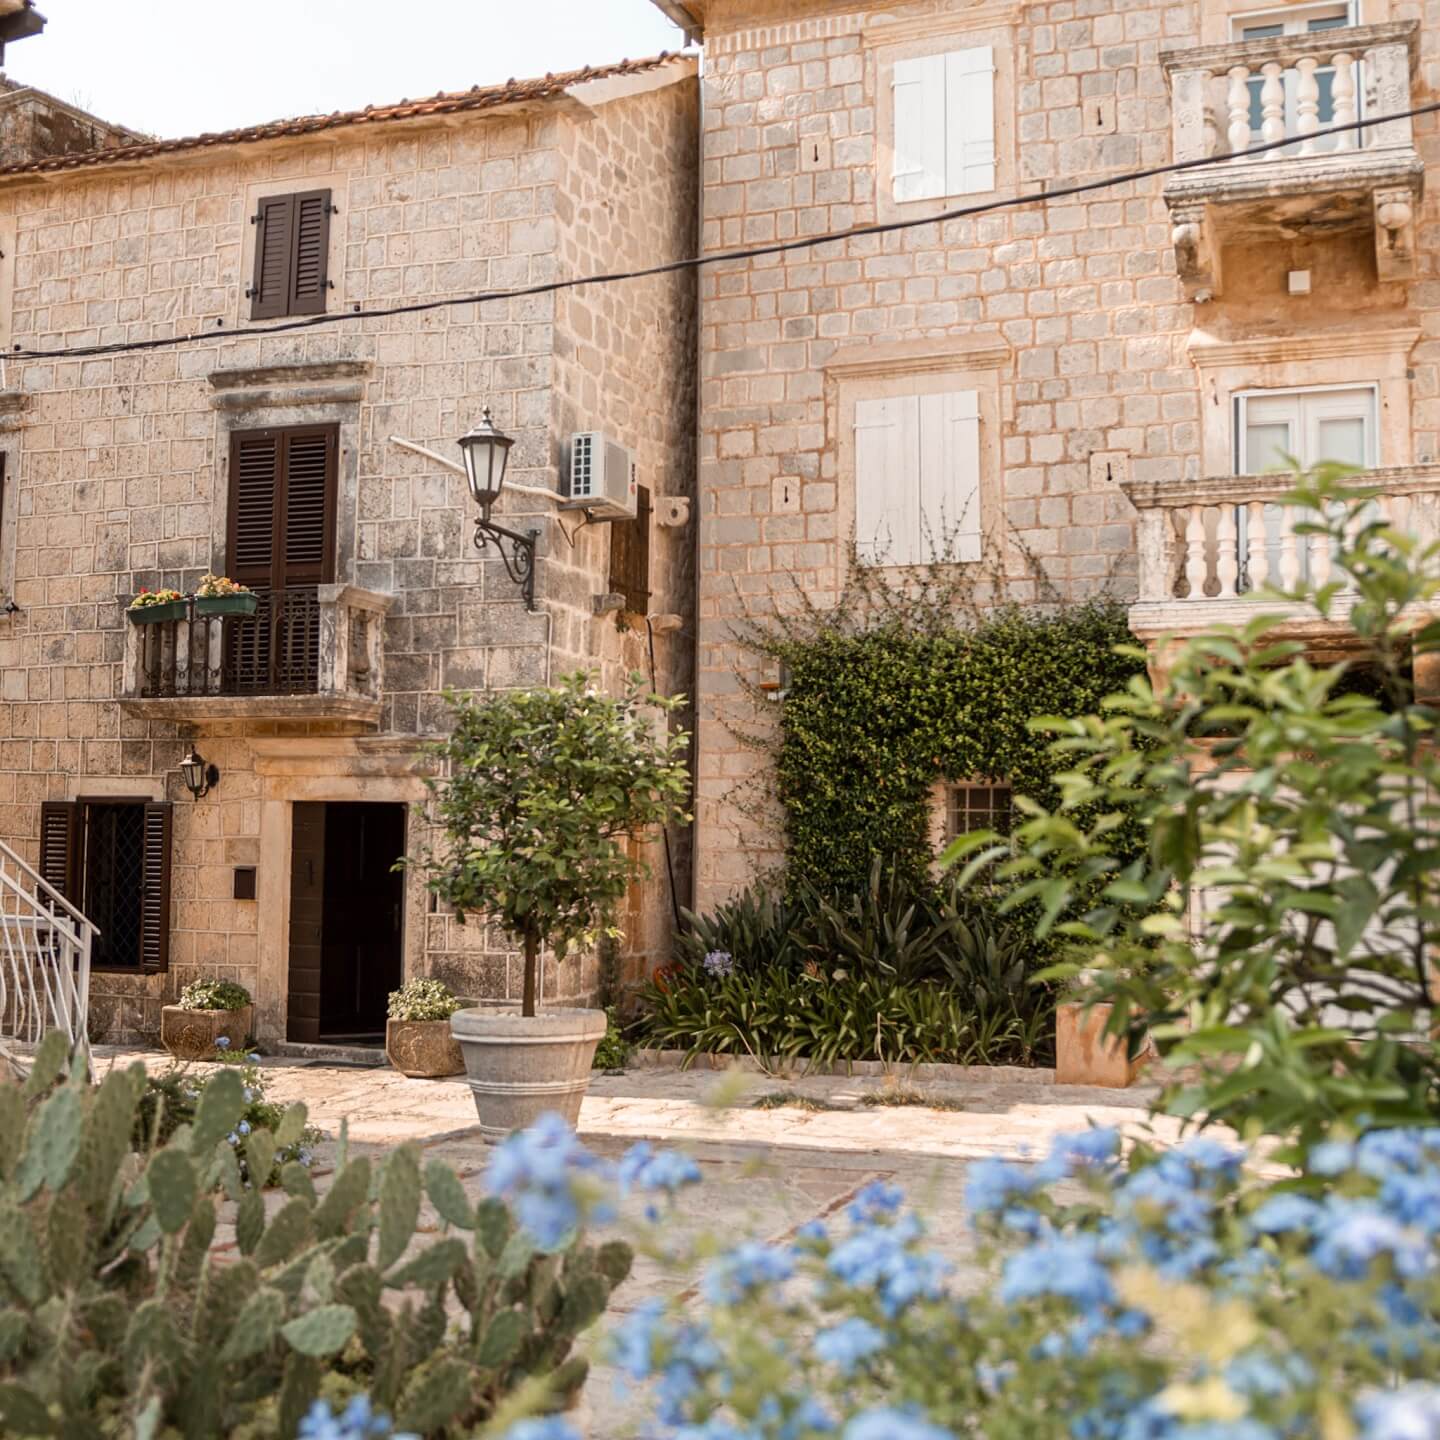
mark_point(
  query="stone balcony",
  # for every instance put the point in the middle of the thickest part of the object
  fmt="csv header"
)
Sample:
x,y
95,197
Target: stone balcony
x,y
1372,178
1206,546
310,652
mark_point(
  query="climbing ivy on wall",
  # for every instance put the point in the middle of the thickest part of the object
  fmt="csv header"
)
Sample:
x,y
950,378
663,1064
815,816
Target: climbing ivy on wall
x,y
875,713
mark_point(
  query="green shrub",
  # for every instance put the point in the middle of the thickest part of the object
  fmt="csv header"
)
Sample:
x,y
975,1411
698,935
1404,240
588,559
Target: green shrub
x,y
831,1017
879,708
118,1319
213,995
422,1000
613,1051
172,1099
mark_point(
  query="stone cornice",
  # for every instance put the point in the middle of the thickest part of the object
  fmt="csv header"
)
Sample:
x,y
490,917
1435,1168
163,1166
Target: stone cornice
x,y
1243,489
879,30
932,357
1206,352
312,373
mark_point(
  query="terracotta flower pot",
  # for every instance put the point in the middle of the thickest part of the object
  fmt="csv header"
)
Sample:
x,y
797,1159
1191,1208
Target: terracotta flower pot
x,y
422,1049
192,1034
520,1067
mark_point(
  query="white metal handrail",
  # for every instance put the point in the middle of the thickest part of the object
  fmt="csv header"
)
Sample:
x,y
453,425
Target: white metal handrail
x,y
45,953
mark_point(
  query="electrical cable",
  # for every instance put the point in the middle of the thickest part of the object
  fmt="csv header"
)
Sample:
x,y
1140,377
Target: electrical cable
x,y
724,257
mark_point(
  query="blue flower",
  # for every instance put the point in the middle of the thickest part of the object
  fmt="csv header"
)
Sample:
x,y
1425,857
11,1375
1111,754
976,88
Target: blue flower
x,y
1331,1157
243,1128
1083,1150
652,1171
1283,1213
1413,1199
887,1424
745,1269
875,1201
1067,1267
719,963
537,1170
1410,1413
1358,1234
233,1138
552,1427
356,1422
845,1345
633,1340
222,1042
1255,1373
992,1184
881,1259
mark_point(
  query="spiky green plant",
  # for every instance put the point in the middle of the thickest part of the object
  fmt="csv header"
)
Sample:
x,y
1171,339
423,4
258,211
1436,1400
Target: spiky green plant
x,y
119,1318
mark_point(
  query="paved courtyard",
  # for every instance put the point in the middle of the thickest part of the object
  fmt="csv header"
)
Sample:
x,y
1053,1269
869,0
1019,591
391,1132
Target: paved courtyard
x,y
767,1171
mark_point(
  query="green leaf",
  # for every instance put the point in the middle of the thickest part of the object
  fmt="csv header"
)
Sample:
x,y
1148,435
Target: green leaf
x,y
52,1143
170,1176
291,1129
222,1102
447,1195
23,1412
255,1327
501,1340
399,1204
322,1332
438,1393
431,1267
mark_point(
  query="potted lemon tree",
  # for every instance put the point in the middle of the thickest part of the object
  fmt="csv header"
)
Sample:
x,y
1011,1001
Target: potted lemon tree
x,y
537,794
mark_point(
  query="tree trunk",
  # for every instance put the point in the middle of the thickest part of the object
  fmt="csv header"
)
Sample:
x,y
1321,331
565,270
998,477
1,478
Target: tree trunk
x,y
532,964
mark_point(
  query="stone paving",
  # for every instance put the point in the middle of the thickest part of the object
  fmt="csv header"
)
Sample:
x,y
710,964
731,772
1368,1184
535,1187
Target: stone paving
x,y
767,1171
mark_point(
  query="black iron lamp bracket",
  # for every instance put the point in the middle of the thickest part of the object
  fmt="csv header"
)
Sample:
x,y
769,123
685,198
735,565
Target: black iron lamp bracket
x,y
517,554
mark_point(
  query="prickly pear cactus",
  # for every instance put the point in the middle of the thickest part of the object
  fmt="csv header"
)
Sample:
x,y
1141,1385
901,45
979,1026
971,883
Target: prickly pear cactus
x,y
120,1318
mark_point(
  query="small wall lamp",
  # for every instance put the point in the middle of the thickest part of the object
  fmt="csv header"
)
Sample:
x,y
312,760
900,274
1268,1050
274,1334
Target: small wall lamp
x,y
486,453
200,776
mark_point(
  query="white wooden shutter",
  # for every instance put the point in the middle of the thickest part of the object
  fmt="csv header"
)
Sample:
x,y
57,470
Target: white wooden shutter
x,y
950,474
887,481
970,121
918,90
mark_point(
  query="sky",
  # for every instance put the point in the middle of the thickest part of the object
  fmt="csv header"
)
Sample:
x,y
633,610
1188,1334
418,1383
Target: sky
x,y
179,67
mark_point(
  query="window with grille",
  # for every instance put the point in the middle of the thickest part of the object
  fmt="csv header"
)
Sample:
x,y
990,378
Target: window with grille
x,y
977,805
111,859
630,556
292,248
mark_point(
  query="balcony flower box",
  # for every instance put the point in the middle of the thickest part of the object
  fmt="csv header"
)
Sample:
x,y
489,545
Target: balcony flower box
x,y
242,604
155,607
219,595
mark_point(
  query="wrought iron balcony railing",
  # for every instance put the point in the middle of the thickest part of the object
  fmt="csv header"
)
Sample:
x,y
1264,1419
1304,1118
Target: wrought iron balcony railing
x,y
310,651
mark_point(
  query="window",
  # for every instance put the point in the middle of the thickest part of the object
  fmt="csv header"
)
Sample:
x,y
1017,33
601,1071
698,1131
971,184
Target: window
x,y
630,556
977,805
1300,20
281,543
944,119
917,478
292,249
111,859
1337,424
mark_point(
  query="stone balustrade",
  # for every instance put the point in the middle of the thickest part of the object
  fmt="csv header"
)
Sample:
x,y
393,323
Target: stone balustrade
x,y
1369,176
1207,547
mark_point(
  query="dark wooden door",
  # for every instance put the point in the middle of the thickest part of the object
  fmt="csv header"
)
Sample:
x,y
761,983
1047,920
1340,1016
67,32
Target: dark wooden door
x,y
362,955
307,910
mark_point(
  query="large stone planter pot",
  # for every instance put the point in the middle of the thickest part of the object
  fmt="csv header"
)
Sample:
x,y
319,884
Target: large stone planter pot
x,y
422,1049
520,1067
1086,1055
191,1034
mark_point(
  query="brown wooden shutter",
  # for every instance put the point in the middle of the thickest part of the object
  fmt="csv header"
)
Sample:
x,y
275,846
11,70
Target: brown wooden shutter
x,y
307,543
274,251
60,847
309,279
630,556
254,476
155,889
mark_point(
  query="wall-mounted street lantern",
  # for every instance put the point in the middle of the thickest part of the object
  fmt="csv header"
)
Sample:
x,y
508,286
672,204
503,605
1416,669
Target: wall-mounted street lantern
x,y
486,453
200,775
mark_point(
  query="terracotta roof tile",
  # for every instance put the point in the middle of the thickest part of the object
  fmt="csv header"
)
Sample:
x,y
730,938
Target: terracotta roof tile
x,y
443,103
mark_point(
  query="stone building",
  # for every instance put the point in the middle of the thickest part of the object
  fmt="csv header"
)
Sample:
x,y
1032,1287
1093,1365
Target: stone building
x,y
1079,392
271,457
35,125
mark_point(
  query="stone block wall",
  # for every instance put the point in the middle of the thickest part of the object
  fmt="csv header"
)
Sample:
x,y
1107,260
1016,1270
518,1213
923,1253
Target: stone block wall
x,y
1080,295
117,474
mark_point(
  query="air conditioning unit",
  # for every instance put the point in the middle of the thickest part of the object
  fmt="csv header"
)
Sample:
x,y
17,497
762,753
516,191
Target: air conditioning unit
x,y
603,480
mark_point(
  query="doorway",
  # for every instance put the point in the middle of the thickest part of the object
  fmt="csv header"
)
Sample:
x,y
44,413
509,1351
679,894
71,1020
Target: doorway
x,y
346,920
